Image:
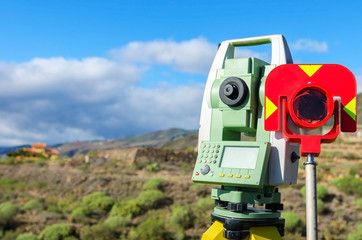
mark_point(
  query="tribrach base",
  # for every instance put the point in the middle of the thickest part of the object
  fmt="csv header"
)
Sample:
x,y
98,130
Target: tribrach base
x,y
236,228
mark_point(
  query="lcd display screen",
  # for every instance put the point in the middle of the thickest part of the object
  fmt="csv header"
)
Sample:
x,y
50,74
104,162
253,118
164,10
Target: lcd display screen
x,y
239,157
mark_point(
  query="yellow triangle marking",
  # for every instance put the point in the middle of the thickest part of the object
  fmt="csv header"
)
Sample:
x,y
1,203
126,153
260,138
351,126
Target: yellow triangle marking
x,y
310,69
270,108
350,108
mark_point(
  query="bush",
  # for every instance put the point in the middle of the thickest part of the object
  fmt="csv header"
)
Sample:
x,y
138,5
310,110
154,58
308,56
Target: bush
x,y
26,236
52,209
356,235
153,184
32,204
40,161
116,223
320,205
96,232
80,212
8,161
349,185
205,204
153,167
9,184
182,216
293,222
126,208
358,203
7,212
56,232
322,191
98,201
150,199
151,229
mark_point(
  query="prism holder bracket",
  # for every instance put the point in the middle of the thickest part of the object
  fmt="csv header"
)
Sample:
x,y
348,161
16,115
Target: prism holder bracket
x,y
319,91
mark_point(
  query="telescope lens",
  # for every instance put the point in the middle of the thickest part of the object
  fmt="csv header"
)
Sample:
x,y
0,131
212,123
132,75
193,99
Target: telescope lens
x,y
310,106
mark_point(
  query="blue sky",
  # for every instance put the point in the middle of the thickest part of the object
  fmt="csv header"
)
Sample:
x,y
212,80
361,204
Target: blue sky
x,y
81,70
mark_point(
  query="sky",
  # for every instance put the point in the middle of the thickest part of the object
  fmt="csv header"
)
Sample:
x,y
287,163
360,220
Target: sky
x,y
73,70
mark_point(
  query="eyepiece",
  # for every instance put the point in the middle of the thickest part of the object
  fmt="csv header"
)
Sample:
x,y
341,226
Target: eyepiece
x,y
233,91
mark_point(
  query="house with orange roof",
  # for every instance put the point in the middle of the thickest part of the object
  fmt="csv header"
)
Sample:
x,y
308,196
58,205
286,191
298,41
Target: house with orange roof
x,y
38,150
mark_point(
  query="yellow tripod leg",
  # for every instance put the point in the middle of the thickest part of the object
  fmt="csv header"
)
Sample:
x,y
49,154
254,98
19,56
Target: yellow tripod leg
x,y
264,233
215,232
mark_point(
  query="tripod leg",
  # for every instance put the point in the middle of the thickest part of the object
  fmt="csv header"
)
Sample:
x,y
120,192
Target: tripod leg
x,y
264,233
215,232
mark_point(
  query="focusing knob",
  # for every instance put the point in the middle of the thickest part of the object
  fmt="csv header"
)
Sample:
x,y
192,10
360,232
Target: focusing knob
x,y
233,91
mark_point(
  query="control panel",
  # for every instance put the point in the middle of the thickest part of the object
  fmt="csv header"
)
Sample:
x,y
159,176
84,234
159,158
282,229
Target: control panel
x,y
232,162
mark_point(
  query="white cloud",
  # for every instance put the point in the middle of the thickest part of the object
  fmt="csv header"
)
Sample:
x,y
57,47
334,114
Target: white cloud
x,y
57,100
193,56
310,45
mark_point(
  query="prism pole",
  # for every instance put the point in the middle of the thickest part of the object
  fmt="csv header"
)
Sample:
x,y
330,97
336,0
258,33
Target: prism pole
x,y
311,198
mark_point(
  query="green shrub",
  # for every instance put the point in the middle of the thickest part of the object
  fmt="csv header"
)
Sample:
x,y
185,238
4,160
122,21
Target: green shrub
x,y
32,204
41,161
71,238
351,156
153,167
56,232
356,235
322,191
293,222
52,209
320,205
38,185
150,199
9,184
358,203
26,236
8,161
7,212
126,208
80,212
355,170
96,232
10,234
92,154
182,216
190,149
205,204
349,185
98,201
153,183
151,229
116,223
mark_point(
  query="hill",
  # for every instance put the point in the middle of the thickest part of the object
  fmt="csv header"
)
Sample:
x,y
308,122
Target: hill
x,y
154,139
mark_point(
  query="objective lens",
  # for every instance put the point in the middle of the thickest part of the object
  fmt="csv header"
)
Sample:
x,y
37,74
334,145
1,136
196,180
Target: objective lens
x,y
310,106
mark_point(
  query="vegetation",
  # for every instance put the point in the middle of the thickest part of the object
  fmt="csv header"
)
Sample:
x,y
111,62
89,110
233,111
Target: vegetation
x,y
70,200
357,235
293,222
98,201
26,236
349,185
7,212
153,184
151,229
57,231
